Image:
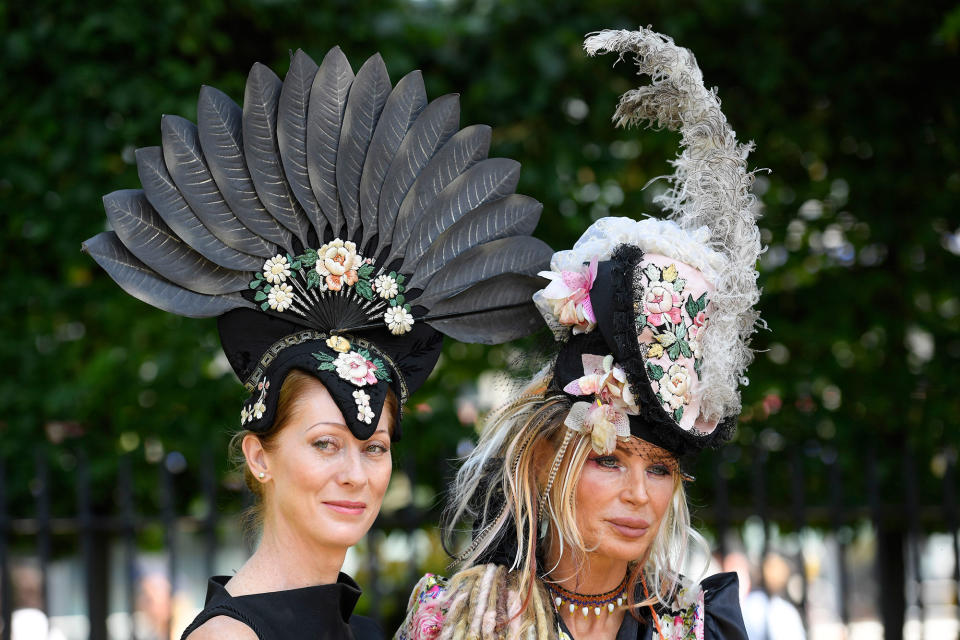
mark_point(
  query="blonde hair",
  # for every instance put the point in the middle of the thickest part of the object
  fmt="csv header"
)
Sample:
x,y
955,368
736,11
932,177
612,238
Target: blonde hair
x,y
501,483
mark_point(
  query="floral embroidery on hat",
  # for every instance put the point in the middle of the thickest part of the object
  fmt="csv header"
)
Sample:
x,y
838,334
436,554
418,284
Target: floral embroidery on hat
x,y
255,410
670,323
364,412
569,296
606,419
356,367
337,268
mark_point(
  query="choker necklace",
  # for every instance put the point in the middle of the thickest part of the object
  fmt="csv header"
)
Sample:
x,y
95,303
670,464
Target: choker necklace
x,y
587,603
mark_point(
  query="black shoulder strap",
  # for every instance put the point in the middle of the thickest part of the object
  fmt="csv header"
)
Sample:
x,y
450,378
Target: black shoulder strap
x,y
221,609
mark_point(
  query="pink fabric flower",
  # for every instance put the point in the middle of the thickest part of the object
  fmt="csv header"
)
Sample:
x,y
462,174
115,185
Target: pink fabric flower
x,y
660,301
569,294
427,622
604,379
356,369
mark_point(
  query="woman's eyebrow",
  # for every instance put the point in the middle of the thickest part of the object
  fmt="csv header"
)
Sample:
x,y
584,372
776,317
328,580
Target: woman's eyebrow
x,y
325,422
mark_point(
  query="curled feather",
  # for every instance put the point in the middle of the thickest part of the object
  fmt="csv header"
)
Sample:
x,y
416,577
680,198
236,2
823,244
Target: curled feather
x,y
710,187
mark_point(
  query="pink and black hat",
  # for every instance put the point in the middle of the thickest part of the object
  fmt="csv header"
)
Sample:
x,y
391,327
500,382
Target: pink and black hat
x,y
655,316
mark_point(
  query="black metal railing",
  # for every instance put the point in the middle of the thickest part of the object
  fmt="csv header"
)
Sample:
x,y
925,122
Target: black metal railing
x,y
92,533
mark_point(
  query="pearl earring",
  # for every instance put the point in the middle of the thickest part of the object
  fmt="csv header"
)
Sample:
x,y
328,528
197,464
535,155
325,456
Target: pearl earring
x,y
261,475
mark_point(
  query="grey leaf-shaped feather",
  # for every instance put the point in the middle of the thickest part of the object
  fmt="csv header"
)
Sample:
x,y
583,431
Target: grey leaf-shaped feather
x,y
364,104
188,168
465,149
260,100
402,107
522,255
220,127
492,312
166,199
292,135
485,182
515,215
142,283
328,99
149,238
429,132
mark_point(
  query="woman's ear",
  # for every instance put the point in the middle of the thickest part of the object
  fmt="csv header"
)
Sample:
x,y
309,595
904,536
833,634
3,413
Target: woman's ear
x,y
256,457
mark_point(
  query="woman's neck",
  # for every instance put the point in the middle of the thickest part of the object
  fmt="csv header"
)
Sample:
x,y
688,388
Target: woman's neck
x,y
286,559
597,575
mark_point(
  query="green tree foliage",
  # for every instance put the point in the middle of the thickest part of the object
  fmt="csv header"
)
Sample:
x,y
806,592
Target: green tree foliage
x,y
853,106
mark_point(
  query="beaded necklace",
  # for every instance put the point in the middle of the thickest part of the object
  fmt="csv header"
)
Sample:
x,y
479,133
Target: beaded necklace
x,y
607,601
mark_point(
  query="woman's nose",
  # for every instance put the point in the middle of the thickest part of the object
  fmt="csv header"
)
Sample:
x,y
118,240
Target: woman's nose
x,y
635,489
352,471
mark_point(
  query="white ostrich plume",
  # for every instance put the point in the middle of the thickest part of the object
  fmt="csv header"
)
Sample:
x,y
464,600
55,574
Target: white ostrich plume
x,y
710,187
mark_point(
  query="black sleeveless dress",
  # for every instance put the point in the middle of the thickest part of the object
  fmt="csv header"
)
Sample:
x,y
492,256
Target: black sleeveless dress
x,y
324,612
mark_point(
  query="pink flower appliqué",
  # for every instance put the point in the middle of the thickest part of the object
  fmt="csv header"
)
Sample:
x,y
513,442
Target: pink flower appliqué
x,y
661,301
569,294
606,419
356,369
604,379
427,622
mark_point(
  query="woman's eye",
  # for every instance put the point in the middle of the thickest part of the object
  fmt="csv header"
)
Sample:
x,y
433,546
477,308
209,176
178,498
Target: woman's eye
x,y
607,462
377,449
325,445
659,470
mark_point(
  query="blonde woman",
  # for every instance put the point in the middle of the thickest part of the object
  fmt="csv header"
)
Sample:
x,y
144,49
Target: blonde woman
x,y
575,491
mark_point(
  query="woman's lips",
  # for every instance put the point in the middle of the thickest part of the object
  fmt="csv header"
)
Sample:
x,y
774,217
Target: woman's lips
x,y
347,507
630,527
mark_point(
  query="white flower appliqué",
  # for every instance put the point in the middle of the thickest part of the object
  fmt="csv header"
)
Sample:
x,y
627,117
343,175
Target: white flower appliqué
x,y
364,412
280,297
386,287
399,320
276,269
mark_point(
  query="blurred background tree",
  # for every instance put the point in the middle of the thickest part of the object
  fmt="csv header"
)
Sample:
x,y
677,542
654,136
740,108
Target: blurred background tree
x,y
850,103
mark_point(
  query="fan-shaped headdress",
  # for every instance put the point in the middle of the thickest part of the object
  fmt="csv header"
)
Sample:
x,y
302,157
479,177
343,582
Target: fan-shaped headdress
x,y
334,224
655,316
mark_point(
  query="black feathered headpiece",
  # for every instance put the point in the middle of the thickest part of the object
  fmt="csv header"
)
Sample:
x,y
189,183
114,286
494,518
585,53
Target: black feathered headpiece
x,y
334,224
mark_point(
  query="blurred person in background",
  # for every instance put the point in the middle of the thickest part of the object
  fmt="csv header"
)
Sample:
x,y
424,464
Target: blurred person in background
x,y
337,226
28,620
576,488
768,613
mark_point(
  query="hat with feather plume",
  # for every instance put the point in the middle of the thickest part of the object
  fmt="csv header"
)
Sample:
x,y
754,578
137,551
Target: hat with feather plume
x,y
336,224
654,316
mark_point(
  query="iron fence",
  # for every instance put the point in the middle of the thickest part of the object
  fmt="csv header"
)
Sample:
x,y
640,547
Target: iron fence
x,y
897,520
